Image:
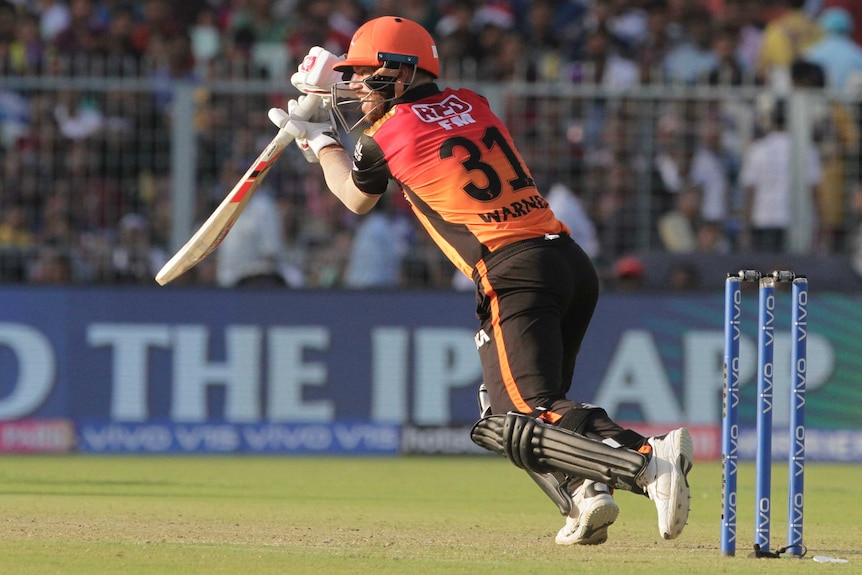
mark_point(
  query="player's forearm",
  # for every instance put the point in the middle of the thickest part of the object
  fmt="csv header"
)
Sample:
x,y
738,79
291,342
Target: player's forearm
x,y
337,165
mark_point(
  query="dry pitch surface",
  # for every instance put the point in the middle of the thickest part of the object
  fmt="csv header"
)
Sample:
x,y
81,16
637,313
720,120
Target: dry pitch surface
x,y
470,515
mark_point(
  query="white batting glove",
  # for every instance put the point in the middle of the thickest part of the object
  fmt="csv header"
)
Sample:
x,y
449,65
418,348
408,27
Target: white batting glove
x,y
311,135
280,118
315,74
320,116
316,135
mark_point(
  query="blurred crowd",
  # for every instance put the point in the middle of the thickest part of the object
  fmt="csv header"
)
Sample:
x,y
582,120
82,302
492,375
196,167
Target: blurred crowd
x,y
85,187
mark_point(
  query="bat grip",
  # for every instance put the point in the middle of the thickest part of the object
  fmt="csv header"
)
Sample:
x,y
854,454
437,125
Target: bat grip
x,y
306,106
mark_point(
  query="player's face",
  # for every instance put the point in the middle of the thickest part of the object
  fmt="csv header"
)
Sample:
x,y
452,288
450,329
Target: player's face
x,y
372,101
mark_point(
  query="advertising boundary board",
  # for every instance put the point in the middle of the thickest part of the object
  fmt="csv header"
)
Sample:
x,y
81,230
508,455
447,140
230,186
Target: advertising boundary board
x,y
210,364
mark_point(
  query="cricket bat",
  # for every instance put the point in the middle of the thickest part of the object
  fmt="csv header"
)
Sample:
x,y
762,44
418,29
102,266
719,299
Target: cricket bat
x,y
216,227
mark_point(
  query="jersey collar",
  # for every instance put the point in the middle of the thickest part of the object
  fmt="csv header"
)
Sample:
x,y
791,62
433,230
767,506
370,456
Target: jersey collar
x,y
419,93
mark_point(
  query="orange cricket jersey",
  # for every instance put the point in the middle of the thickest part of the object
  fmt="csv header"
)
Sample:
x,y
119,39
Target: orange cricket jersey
x,y
457,165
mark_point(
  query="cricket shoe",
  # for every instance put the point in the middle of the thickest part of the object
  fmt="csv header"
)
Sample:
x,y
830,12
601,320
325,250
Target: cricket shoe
x,y
666,479
593,511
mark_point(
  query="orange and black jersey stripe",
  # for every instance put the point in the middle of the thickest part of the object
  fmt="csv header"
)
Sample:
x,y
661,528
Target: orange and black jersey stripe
x,y
458,167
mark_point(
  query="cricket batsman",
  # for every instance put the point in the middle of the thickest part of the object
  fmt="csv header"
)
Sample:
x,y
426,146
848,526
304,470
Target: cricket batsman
x,y
536,289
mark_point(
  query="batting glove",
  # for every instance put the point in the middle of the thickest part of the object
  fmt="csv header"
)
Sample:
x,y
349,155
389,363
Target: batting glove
x,y
280,118
311,135
302,143
315,74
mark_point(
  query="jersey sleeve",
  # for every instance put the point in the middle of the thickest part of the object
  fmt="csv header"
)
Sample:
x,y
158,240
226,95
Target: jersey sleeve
x,y
370,170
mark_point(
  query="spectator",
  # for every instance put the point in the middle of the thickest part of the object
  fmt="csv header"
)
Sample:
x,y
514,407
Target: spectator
x,y
377,250
78,116
693,58
14,230
16,242
157,22
313,29
425,267
854,8
54,18
617,213
8,22
133,258
570,210
250,255
838,55
328,261
677,11
550,42
170,61
711,172
236,59
667,165
425,12
256,16
294,255
458,45
496,14
727,70
206,39
559,24
55,221
604,64
786,37
52,265
503,55
347,16
678,228
744,16
14,116
123,57
84,35
837,138
656,43
627,22
628,274
507,62
113,146
766,177
27,51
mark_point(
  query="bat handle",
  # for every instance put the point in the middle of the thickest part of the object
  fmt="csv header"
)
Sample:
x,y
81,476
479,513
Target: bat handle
x,y
306,106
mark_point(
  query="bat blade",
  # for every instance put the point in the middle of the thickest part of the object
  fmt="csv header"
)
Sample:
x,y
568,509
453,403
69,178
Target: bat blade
x,y
216,227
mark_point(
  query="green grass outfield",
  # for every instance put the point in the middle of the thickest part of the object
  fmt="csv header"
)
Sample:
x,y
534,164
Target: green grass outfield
x,y
472,515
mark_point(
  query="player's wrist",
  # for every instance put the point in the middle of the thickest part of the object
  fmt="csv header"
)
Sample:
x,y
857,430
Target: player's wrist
x,y
320,136
329,149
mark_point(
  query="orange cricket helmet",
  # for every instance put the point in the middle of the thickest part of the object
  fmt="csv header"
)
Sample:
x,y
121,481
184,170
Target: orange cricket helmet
x,y
391,39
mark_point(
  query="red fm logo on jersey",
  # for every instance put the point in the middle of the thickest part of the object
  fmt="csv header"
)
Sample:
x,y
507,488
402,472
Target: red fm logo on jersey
x,y
450,113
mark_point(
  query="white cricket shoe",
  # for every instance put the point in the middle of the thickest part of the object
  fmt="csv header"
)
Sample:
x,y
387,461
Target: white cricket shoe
x,y
666,482
593,510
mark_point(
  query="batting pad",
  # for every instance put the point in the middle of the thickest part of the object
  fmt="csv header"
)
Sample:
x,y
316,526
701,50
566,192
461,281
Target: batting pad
x,y
555,490
532,444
